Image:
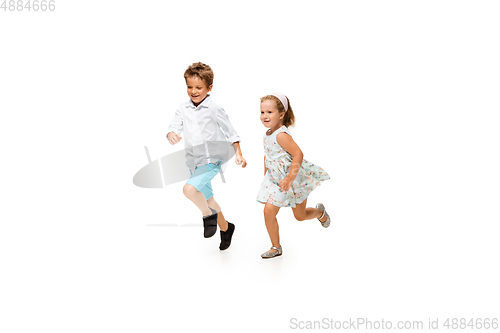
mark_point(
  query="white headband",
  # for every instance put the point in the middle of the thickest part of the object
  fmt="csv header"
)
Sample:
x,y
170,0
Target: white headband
x,y
282,99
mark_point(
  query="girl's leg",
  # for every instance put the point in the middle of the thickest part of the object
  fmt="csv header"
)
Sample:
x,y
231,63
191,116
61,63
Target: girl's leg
x,y
270,212
197,198
221,220
301,212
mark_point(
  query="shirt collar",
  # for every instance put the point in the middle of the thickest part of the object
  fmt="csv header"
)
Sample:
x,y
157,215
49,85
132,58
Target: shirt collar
x,y
206,102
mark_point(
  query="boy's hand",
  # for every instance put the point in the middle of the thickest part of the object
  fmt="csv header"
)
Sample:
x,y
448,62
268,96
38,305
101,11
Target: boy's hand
x,y
173,138
240,160
285,184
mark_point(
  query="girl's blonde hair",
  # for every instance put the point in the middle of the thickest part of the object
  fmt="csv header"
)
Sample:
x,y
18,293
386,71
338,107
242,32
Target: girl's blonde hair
x,y
289,118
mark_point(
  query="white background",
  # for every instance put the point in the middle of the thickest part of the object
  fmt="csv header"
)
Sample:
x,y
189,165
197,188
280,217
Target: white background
x,y
397,100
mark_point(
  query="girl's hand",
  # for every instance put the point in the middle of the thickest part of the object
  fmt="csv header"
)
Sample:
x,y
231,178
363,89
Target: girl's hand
x,y
285,184
173,138
240,160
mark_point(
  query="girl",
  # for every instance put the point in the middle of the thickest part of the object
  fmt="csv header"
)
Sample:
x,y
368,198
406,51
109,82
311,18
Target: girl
x,y
288,178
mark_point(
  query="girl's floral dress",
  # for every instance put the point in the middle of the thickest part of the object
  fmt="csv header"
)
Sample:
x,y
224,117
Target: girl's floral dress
x,y
278,162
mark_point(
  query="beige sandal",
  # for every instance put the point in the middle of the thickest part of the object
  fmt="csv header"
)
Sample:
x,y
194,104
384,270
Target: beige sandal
x,y
325,224
272,254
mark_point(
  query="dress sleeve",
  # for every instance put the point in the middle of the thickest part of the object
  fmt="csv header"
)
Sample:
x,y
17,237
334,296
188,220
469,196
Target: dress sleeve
x,y
176,125
226,126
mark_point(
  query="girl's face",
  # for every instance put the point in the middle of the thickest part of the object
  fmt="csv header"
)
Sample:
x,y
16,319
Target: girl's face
x,y
270,116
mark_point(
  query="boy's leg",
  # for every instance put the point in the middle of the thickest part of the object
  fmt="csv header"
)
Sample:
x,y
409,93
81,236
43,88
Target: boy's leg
x,y
221,220
301,212
210,216
270,212
197,198
226,228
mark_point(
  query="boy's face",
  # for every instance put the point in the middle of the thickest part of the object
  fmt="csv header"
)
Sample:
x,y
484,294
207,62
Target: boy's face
x,y
197,89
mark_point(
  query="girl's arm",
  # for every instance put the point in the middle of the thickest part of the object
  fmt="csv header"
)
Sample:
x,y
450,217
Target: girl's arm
x,y
265,169
286,141
238,156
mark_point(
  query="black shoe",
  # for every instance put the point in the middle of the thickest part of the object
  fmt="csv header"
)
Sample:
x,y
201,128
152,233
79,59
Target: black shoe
x,y
225,236
210,225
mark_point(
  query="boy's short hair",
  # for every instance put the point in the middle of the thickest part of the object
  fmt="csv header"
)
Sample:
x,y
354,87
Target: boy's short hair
x,y
204,72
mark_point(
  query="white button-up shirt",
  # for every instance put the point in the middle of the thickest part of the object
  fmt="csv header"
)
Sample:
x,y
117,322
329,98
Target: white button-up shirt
x,y
208,133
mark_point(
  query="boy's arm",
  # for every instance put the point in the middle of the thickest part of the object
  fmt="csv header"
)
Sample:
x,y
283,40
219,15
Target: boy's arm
x,y
226,126
238,155
232,136
175,128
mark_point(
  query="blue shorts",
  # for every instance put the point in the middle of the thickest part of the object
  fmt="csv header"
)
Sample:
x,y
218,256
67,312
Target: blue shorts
x,y
201,177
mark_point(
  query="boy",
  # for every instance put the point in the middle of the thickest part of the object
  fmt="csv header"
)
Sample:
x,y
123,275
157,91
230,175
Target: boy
x,y
206,128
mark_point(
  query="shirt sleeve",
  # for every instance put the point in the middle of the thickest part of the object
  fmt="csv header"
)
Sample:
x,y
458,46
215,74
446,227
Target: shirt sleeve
x,y
176,125
226,126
